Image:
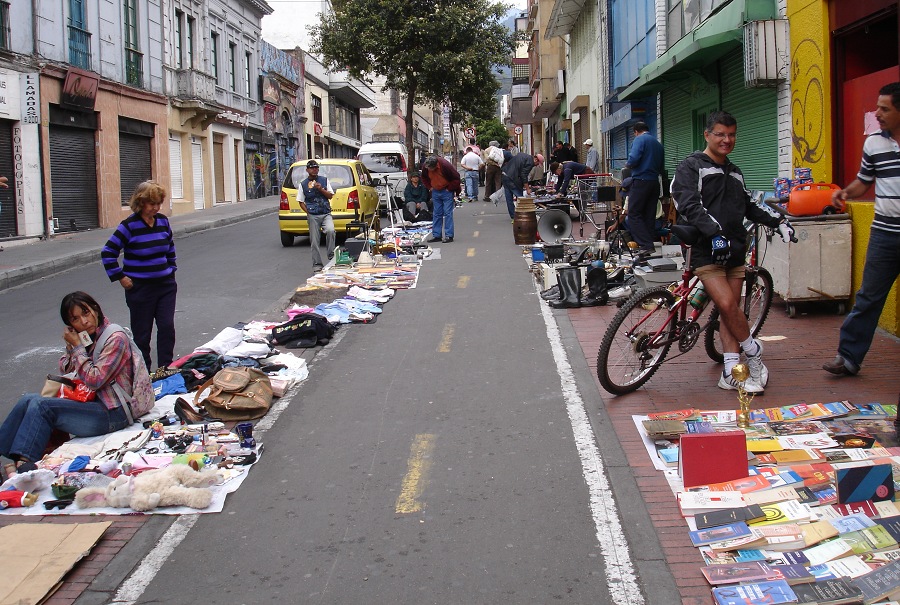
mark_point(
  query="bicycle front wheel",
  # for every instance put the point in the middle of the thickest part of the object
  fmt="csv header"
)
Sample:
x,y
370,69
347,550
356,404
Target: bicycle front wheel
x,y
628,355
756,307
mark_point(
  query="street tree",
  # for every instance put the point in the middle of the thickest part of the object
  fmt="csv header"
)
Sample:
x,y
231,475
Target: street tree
x,y
491,130
435,52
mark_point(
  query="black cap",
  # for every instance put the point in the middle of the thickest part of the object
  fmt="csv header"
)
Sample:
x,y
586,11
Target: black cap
x,y
312,164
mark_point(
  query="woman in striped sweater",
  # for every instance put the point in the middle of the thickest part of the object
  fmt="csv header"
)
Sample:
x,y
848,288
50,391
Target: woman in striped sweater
x,y
148,271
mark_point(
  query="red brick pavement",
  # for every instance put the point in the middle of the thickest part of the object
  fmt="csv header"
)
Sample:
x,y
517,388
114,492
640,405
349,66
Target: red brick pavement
x,y
794,364
118,534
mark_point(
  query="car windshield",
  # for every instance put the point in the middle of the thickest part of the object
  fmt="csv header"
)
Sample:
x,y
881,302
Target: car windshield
x,y
338,176
383,162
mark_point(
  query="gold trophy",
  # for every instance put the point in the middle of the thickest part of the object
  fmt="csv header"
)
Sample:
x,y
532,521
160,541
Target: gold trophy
x,y
740,373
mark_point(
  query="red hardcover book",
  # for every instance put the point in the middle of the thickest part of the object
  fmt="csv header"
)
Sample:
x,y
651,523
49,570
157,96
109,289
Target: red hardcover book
x,y
706,458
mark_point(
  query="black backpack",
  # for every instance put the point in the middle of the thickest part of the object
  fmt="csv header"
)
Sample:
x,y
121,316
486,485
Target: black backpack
x,y
303,331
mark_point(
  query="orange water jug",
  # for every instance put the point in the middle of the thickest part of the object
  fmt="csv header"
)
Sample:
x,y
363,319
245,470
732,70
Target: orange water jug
x,y
811,199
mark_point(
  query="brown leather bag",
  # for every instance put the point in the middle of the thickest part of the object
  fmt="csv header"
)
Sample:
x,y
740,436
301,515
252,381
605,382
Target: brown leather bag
x,y
238,393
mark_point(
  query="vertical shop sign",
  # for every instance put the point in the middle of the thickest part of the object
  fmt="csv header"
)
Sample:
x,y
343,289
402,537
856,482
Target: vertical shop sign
x,y
18,169
30,98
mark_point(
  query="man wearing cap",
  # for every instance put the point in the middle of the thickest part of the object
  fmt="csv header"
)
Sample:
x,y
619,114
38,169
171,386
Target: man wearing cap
x,y
313,196
443,181
493,160
593,158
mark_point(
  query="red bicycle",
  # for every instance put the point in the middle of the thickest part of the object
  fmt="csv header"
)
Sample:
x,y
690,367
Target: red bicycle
x,y
644,329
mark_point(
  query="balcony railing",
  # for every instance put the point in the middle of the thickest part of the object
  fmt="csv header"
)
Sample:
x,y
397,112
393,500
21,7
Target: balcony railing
x,y
193,84
79,47
134,68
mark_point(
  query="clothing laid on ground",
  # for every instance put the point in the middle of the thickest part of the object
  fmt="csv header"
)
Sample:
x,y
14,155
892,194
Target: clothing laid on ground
x,y
880,163
712,197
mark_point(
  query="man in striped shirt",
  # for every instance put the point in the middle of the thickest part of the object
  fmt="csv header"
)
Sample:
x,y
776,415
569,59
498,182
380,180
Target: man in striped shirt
x,y
148,274
880,165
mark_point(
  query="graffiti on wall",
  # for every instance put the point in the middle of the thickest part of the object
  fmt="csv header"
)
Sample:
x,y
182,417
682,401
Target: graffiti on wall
x,y
261,167
811,128
272,59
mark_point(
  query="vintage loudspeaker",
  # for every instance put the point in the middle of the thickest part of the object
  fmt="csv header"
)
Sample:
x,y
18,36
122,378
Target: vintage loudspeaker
x,y
555,225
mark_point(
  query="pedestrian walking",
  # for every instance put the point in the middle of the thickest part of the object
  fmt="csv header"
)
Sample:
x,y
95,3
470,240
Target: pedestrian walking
x,y
472,162
592,161
493,160
709,192
646,164
880,162
148,271
442,179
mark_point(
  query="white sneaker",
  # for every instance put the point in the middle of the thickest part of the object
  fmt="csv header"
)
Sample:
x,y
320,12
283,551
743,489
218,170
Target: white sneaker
x,y
759,373
730,384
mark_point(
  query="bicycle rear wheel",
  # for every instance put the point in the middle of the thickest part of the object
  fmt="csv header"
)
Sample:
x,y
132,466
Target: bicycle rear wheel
x,y
627,358
756,307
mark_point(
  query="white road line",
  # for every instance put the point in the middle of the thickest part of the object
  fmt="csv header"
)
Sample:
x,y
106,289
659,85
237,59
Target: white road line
x,y
135,585
620,576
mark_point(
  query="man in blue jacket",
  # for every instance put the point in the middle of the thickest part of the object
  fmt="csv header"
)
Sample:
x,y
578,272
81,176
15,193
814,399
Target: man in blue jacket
x,y
646,164
313,196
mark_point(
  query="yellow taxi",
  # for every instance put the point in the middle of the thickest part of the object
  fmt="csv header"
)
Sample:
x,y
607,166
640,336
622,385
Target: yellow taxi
x,y
355,198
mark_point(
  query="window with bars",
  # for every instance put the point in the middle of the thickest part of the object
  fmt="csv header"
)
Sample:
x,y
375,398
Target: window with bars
x,y
231,66
316,103
214,55
190,42
248,60
79,37
179,54
134,60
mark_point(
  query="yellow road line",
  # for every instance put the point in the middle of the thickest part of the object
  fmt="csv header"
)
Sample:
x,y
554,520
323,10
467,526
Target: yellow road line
x,y
417,469
446,338
475,234
463,281
470,252
479,221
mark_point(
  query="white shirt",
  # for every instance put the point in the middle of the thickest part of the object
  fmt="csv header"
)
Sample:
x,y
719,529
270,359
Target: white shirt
x,y
471,161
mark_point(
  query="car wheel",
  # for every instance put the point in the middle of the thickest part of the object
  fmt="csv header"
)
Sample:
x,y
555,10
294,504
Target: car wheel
x,y
287,239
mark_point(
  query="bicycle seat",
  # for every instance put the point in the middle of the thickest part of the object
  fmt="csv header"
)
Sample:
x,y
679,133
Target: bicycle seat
x,y
688,234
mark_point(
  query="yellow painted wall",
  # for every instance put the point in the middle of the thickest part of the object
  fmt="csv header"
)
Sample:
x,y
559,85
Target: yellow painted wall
x,y
861,214
811,127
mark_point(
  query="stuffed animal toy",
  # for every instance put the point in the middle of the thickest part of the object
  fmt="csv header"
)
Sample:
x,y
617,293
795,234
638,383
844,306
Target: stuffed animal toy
x,y
174,485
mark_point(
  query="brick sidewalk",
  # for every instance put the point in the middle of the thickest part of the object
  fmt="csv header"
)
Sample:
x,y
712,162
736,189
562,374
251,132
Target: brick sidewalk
x,y
794,364
84,572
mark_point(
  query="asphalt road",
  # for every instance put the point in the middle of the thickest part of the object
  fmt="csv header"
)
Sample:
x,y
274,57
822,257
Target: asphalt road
x,y
439,455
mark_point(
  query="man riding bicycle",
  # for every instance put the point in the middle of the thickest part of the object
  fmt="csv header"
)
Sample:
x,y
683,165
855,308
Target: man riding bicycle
x,y
709,193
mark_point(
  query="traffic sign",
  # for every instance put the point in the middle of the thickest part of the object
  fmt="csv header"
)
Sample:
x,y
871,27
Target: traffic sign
x,y
517,130
470,132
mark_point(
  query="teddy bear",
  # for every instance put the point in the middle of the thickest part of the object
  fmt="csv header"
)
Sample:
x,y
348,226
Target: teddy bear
x,y
174,485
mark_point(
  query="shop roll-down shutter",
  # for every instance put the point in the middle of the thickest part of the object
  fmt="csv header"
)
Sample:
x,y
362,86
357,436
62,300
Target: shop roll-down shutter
x,y
8,223
73,170
175,168
135,138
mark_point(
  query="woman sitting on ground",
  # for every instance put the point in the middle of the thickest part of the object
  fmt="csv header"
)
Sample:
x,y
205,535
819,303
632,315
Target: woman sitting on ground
x,y
26,431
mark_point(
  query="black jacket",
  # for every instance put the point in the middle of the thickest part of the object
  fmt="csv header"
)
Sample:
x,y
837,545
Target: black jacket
x,y
717,207
515,170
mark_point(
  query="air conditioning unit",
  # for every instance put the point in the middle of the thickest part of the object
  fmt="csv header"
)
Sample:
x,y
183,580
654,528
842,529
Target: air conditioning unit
x,y
766,53
560,83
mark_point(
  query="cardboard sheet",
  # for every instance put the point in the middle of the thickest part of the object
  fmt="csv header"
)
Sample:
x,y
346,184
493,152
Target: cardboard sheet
x,y
44,553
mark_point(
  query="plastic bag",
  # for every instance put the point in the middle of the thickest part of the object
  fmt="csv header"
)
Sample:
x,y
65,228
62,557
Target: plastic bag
x,y
499,196
77,393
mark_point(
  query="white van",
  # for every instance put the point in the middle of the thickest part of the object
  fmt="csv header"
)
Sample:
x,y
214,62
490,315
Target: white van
x,y
387,162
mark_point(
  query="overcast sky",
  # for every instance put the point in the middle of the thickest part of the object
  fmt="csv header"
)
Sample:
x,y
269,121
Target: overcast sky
x,y
286,27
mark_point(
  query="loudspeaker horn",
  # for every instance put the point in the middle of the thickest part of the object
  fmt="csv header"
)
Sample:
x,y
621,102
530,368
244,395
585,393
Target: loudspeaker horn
x,y
554,226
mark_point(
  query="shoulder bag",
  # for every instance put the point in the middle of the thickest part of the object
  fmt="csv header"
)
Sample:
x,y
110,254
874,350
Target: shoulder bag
x,y
238,393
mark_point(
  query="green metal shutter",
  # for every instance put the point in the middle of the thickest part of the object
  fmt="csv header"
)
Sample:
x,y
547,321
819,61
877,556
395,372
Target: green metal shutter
x,y
756,110
677,137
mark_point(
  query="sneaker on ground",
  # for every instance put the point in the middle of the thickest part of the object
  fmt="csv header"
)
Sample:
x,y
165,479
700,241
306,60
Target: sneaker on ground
x,y
759,373
730,384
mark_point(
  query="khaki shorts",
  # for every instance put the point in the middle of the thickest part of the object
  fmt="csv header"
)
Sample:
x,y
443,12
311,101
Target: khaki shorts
x,y
720,271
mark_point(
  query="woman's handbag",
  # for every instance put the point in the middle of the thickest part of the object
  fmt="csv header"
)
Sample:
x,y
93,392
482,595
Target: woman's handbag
x,y
53,385
67,387
238,393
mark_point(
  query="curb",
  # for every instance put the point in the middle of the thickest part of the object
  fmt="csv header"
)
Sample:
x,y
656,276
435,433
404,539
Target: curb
x,y
31,273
